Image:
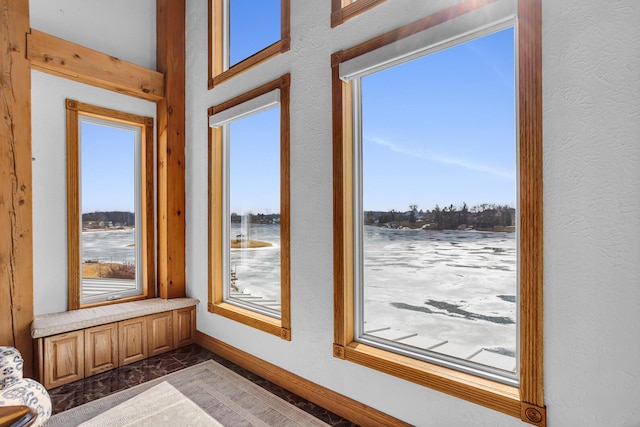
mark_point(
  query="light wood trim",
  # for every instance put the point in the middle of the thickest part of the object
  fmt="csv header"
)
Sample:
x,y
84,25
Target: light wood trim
x,y
147,209
74,274
527,401
280,327
171,117
216,44
474,389
259,321
350,409
215,206
216,40
342,193
100,349
69,60
285,208
531,210
343,10
16,240
74,109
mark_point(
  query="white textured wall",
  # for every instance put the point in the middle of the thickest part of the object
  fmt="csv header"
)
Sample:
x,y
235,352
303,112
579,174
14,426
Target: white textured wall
x,y
591,70
48,94
121,28
591,79
125,29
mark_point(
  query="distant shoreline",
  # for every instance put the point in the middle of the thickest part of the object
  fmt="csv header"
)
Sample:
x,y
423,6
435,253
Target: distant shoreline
x,y
249,244
91,230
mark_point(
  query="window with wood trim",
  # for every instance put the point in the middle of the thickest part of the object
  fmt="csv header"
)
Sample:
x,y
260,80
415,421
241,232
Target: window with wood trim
x,y
110,208
343,10
443,114
244,34
249,208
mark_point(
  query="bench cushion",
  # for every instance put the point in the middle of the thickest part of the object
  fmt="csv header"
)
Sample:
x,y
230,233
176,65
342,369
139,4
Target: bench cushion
x,y
46,325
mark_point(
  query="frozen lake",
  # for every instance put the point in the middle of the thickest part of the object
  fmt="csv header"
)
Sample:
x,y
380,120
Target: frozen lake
x,y
458,286
108,246
258,270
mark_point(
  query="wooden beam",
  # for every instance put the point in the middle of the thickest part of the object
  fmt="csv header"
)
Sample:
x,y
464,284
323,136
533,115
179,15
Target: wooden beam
x,y
69,60
16,242
170,58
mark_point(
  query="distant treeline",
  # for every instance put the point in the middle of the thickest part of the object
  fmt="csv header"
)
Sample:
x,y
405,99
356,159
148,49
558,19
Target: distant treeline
x,y
482,217
109,219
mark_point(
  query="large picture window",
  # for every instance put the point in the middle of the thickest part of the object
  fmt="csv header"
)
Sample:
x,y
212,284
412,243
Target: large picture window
x,y
249,208
435,211
437,207
243,34
110,205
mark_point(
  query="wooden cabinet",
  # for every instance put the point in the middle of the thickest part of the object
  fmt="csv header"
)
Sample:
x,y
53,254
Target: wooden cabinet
x,y
160,333
71,356
64,359
101,349
132,340
184,326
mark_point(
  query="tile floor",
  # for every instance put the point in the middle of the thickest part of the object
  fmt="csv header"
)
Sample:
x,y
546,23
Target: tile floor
x,y
101,385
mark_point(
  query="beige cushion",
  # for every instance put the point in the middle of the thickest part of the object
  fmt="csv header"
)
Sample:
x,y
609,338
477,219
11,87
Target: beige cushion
x,y
45,325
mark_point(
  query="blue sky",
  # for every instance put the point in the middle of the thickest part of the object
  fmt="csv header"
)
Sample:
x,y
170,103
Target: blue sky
x,y
441,129
254,170
107,168
437,130
253,25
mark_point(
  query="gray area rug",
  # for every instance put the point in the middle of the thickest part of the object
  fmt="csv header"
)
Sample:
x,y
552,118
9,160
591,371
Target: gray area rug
x,y
207,394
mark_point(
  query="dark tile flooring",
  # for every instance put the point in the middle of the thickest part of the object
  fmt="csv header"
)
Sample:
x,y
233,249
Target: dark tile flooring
x,y
101,385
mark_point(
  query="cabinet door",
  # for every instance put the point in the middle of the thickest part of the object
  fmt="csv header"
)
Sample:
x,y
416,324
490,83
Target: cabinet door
x,y
64,359
184,326
160,329
101,349
132,340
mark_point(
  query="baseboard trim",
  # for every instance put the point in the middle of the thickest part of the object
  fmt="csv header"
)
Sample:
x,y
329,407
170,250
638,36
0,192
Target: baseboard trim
x,y
348,408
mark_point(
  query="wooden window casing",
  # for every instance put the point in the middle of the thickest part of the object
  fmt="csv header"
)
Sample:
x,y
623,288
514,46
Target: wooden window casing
x,y
342,10
526,401
280,327
74,109
217,73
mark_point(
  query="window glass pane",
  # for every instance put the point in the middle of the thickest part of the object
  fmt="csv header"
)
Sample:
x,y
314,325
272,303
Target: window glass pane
x,y
254,203
253,26
108,206
439,241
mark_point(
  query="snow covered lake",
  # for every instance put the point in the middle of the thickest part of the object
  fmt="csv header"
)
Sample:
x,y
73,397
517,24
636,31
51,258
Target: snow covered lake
x,y
455,286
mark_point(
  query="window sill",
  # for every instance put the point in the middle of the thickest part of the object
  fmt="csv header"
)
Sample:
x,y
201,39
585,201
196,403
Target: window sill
x,y
491,394
275,49
116,301
255,320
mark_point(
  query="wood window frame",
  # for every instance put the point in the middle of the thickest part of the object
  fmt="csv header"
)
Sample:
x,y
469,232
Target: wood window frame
x,y
74,110
216,304
343,10
526,401
217,74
